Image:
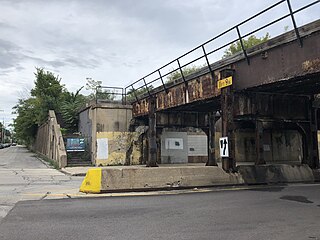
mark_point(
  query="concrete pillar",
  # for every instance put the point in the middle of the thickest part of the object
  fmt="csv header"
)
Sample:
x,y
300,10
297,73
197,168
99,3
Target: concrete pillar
x,y
152,134
211,140
259,143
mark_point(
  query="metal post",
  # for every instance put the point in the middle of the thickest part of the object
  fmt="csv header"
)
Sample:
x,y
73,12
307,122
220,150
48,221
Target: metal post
x,y
313,136
208,63
3,128
145,84
227,99
181,72
314,132
134,93
259,143
164,86
294,24
242,46
211,141
152,134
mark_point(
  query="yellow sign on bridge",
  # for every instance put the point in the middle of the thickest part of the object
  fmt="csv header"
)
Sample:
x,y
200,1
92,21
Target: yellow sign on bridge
x,y
225,82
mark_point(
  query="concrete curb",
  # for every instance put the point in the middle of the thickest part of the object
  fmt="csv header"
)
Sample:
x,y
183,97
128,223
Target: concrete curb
x,y
76,174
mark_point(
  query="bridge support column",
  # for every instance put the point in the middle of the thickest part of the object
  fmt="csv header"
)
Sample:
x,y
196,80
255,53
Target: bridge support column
x,y
259,143
211,140
309,132
227,99
316,163
152,134
313,136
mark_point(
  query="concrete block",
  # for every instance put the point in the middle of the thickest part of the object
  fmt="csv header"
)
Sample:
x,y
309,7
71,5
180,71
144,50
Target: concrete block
x,y
137,178
316,174
92,181
281,173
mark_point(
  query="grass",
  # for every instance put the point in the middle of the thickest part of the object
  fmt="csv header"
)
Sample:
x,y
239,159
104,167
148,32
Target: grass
x,y
47,160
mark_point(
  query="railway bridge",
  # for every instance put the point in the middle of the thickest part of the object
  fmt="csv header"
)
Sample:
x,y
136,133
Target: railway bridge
x,y
271,88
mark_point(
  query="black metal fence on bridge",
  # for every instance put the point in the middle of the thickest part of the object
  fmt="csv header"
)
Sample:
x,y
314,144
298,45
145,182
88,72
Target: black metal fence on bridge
x,y
200,57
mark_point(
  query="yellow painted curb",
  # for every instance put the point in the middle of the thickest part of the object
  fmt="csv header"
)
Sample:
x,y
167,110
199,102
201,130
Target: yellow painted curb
x,y
92,181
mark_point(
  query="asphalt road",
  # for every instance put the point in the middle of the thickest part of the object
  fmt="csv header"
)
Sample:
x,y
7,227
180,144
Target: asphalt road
x,y
24,177
290,212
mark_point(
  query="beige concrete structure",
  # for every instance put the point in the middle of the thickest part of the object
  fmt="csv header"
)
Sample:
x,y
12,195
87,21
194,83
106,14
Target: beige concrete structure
x,y
49,141
106,124
142,178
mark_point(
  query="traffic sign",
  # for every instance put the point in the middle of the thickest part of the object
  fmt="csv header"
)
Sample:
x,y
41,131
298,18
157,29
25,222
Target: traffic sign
x,y
225,82
224,147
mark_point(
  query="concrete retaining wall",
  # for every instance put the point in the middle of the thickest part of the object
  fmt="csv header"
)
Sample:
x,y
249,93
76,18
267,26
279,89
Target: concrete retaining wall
x,y
49,141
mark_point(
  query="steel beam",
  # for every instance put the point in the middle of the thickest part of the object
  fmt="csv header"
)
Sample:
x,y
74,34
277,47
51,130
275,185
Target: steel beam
x,y
227,99
152,134
259,143
211,141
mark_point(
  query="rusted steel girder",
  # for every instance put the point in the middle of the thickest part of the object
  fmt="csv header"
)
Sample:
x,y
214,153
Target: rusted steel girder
x,y
259,143
227,100
182,119
211,140
277,65
152,134
314,151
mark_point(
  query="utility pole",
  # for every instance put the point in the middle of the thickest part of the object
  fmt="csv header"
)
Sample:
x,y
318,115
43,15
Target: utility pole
x,y
2,129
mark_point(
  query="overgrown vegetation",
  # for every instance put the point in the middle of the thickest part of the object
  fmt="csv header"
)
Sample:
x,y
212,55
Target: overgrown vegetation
x,y
186,71
52,163
247,43
48,94
97,91
131,95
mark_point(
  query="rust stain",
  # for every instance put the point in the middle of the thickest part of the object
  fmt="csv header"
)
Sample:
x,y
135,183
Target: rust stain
x,y
311,65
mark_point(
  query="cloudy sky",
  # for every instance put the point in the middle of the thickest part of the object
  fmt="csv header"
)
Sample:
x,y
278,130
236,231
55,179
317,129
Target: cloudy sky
x,y
116,42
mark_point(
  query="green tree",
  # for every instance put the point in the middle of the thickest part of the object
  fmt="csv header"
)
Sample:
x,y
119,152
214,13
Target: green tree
x,y
248,43
186,71
70,107
25,124
131,95
97,91
47,93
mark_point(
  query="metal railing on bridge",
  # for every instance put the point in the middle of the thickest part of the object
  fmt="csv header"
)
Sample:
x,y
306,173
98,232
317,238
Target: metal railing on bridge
x,y
110,94
157,80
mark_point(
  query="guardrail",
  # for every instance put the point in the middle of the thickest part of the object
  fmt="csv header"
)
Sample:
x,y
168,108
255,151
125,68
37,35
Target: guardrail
x,y
112,94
